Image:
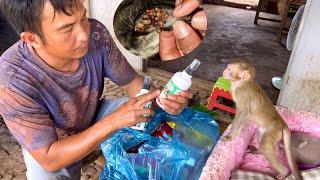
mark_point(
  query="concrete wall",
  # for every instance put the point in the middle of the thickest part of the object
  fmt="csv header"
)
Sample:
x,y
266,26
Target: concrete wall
x,y
301,86
103,10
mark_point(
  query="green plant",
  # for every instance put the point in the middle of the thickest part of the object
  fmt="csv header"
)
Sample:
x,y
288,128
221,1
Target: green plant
x,y
204,109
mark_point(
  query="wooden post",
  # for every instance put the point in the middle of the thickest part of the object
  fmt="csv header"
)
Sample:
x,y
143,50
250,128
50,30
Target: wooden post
x,y
283,21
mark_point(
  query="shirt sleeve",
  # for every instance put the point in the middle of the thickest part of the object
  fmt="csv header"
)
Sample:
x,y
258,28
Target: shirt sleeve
x,y
26,120
116,66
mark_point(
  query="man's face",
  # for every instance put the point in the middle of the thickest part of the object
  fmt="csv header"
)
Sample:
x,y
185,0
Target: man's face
x,y
65,36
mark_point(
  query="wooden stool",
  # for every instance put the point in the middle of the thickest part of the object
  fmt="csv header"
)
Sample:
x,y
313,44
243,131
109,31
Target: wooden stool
x,y
259,9
213,103
221,89
292,6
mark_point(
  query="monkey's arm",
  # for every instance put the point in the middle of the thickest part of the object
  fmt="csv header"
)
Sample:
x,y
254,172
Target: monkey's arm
x,y
236,127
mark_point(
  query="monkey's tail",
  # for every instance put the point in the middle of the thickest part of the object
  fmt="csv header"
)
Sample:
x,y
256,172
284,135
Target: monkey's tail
x,y
288,150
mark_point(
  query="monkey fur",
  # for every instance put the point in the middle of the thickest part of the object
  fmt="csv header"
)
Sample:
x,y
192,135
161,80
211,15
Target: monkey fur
x,y
253,105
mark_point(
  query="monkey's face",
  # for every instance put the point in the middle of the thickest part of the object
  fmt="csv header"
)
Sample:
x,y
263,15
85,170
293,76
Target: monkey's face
x,y
231,73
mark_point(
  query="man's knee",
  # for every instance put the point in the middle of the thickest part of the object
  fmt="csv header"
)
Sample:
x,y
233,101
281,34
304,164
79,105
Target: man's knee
x,y
36,171
108,106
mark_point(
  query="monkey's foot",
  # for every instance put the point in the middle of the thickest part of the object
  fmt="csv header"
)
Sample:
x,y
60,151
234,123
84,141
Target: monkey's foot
x,y
298,176
282,175
226,138
252,150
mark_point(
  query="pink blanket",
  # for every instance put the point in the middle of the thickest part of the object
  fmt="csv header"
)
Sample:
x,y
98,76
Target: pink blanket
x,y
230,155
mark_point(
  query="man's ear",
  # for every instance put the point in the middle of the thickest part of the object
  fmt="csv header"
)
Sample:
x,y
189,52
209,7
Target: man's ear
x,y
32,39
246,75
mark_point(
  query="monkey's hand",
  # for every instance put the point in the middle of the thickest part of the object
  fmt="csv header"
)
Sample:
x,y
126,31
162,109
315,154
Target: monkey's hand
x,y
227,137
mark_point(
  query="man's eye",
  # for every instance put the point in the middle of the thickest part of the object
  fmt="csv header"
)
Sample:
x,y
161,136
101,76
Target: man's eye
x,y
69,30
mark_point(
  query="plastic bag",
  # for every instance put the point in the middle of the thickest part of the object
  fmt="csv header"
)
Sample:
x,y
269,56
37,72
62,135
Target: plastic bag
x,y
180,156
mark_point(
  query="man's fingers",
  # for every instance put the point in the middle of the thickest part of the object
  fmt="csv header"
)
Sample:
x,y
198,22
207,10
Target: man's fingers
x,y
199,21
187,38
178,99
143,119
167,47
178,2
172,104
147,97
170,110
185,7
203,33
145,112
186,94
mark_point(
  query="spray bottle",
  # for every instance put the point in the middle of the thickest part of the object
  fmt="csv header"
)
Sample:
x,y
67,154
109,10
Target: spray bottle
x,y
144,90
180,81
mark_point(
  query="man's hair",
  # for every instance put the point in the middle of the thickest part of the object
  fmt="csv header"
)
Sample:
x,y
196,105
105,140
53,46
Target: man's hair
x,y
244,64
25,15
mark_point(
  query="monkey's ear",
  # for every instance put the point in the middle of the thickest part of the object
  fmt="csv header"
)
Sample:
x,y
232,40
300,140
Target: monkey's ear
x,y
246,75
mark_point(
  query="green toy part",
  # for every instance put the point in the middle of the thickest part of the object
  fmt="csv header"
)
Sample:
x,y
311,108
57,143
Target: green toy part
x,y
222,83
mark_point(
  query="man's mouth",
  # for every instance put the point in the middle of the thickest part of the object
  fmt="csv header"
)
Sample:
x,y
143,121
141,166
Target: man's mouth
x,y
81,47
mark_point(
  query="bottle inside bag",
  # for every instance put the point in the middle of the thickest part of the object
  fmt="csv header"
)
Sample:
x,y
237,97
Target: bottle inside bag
x,y
144,90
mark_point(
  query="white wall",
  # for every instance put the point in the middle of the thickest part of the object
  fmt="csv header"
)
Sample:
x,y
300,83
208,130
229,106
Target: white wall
x,y
103,10
301,88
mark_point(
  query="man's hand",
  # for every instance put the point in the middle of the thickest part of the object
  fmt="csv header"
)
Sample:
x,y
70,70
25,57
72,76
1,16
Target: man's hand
x,y
132,112
185,7
174,104
184,38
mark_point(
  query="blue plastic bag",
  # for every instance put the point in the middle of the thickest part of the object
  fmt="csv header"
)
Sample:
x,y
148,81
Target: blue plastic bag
x,y
180,157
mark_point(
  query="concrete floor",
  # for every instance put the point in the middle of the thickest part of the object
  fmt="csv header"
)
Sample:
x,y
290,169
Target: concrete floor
x,y
232,33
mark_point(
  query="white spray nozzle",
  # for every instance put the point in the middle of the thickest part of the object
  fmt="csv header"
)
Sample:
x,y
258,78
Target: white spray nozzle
x,y
192,67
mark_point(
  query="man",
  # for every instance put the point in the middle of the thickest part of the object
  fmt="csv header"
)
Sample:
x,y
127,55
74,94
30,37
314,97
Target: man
x,y
51,82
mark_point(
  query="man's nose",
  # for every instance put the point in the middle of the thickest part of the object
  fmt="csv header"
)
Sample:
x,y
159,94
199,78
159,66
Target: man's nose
x,y
83,35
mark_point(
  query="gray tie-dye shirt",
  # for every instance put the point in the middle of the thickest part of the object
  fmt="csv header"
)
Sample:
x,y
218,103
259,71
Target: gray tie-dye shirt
x,y
39,104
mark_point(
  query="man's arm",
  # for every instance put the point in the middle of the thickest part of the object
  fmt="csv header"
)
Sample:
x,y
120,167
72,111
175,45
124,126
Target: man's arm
x,y
63,152
75,147
134,86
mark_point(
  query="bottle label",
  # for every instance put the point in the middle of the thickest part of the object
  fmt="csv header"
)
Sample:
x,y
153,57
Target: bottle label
x,y
170,88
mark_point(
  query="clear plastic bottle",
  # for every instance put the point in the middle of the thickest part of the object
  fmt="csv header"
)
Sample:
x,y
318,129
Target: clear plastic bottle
x,y
180,81
144,90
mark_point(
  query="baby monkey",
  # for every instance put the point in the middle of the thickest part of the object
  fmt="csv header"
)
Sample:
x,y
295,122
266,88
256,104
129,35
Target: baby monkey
x,y
253,104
